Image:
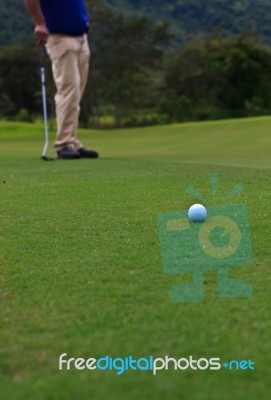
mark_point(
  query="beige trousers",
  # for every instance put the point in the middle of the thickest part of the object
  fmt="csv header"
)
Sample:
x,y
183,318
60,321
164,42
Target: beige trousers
x,y
70,63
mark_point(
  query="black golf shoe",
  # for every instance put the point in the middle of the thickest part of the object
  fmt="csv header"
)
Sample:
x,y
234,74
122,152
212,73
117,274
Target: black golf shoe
x,y
85,153
67,154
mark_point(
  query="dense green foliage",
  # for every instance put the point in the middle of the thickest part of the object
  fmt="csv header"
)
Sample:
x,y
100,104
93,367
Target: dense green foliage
x,y
140,76
19,81
125,54
186,16
15,25
217,78
191,16
209,78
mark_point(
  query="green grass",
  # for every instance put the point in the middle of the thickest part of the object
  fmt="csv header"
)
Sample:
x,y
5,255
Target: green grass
x,y
81,269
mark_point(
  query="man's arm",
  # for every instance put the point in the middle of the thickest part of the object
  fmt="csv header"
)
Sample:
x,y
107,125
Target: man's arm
x,y
34,9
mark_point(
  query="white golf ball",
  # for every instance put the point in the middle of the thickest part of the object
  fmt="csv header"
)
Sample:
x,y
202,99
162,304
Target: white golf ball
x,y
197,213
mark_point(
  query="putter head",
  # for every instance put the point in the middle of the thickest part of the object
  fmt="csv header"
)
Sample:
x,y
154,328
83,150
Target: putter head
x,y
46,158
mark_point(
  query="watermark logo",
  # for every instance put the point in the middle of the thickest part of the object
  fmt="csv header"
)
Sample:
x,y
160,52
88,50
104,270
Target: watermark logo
x,y
221,242
150,363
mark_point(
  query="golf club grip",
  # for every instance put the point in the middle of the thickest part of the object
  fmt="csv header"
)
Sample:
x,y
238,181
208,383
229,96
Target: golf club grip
x,y
42,53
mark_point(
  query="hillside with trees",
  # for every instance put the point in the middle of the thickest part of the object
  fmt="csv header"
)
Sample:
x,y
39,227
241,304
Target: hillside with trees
x,y
15,26
186,17
140,74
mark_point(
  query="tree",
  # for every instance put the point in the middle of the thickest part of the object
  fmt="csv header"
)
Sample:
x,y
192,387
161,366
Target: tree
x,y
219,78
19,80
126,52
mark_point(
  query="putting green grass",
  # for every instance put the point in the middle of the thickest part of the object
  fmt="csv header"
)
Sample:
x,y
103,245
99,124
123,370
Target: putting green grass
x,y
81,269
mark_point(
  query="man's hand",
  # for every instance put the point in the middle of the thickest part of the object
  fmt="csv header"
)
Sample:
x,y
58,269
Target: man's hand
x,y
41,34
35,11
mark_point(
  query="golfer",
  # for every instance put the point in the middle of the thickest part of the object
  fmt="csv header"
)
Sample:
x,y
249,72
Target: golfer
x,y
62,26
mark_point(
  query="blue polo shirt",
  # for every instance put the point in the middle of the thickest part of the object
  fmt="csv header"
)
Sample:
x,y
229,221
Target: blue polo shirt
x,y
67,17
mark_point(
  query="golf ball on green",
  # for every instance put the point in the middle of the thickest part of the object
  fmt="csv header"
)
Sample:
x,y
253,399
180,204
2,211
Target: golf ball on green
x,y
197,213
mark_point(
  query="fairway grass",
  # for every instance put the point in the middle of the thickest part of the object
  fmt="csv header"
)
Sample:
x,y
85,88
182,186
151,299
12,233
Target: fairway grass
x,y
81,269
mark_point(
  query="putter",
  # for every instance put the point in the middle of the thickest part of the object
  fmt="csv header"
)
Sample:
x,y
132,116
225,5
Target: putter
x,y
42,52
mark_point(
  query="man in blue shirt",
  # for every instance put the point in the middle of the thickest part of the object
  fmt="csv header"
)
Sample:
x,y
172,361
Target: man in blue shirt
x,y
62,26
